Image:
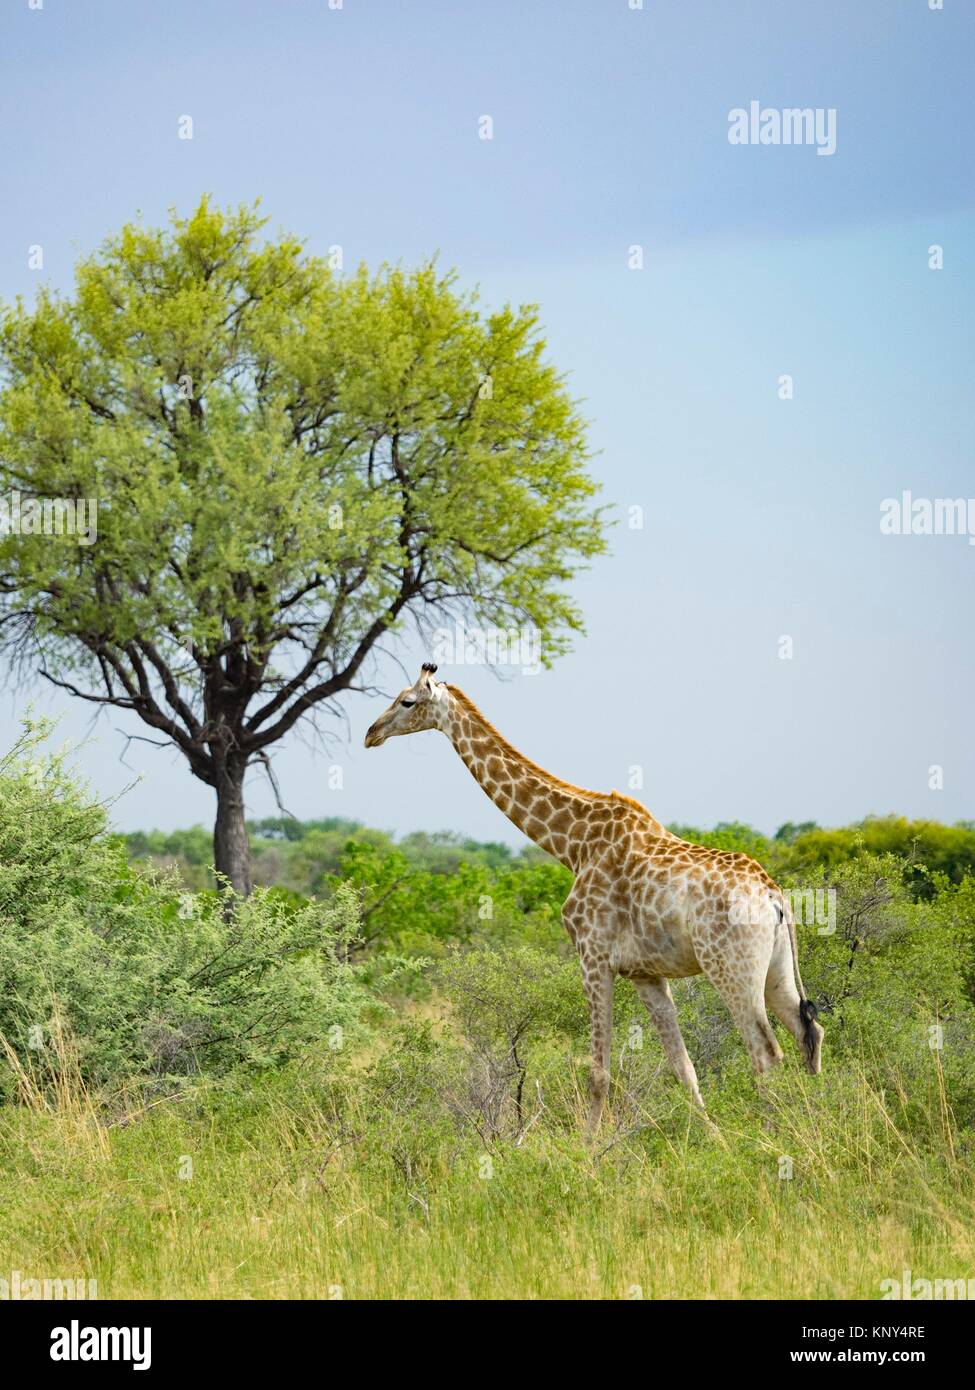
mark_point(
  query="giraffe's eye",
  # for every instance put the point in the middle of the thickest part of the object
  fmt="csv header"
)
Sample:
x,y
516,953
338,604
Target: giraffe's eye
x,y
407,703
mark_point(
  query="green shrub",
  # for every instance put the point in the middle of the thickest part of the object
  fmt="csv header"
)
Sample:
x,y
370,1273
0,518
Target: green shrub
x,y
927,848
151,981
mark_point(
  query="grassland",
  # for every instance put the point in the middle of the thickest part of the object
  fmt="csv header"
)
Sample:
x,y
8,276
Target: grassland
x,y
293,1187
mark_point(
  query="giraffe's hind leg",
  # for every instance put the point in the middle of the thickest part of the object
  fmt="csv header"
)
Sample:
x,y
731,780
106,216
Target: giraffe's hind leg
x,y
740,980
782,997
657,997
753,1024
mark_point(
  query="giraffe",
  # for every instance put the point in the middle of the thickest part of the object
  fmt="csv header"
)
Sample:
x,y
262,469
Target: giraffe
x,y
644,905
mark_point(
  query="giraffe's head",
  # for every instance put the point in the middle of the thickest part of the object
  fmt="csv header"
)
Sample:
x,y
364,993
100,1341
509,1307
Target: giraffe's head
x,y
415,708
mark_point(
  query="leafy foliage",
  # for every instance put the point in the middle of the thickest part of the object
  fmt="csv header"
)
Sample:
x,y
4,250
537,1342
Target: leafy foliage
x,y
287,463
152,982
929,847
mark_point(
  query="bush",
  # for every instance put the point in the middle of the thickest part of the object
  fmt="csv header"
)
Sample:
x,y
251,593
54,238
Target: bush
x,y
927,848
151,981
515,1008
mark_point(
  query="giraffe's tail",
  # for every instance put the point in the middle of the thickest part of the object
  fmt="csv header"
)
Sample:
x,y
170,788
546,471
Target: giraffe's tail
x,y
810,1038
808,1013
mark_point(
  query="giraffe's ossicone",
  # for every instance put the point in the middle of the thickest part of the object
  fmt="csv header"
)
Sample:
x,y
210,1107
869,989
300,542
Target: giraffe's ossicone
x,y
644,904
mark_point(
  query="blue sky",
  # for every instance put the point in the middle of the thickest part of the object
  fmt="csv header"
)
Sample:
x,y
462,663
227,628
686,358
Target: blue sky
x,y
358,126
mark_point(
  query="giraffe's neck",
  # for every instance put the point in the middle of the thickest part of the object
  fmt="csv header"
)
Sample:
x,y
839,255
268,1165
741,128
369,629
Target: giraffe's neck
x,y
538,804
558,817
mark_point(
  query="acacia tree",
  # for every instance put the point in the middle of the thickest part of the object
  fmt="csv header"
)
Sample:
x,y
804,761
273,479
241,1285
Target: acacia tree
x,y
288,463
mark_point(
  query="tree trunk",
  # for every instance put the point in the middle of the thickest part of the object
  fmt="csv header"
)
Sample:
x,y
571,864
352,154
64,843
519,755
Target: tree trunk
x,y
231,852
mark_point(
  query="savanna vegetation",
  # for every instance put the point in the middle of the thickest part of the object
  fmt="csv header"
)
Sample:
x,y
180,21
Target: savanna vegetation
x,y
370,1080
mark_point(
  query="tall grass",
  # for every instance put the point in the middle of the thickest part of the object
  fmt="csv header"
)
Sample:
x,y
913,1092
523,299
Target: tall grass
x,y
291,1187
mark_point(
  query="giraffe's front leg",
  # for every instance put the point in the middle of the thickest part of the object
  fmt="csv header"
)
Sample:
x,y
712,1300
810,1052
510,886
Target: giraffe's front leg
x,y
598,981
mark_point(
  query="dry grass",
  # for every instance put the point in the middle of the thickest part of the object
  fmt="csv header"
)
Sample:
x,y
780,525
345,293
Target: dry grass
x,y
274,1192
